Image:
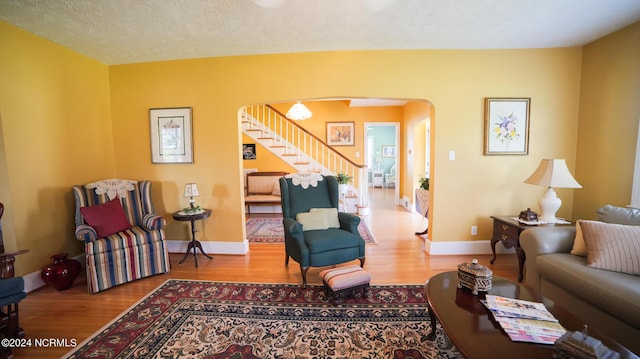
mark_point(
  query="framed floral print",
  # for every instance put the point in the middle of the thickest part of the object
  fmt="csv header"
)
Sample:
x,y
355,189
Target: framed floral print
x,y
506,126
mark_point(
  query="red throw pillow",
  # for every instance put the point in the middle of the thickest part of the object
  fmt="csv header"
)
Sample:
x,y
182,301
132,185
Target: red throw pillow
x,y
107,218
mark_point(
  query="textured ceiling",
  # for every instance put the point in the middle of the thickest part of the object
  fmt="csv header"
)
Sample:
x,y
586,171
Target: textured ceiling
x,y
130,31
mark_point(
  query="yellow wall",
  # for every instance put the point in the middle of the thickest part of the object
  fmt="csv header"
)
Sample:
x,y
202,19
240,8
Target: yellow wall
x,y
68,119
466,191
609,114
56,127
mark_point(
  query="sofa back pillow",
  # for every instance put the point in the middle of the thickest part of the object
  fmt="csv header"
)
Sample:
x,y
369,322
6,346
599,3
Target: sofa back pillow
x,y
579,248
614,247
619,215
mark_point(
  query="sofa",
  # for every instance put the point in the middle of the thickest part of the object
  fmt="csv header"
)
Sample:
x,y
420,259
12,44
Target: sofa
x,y
592,270
262,189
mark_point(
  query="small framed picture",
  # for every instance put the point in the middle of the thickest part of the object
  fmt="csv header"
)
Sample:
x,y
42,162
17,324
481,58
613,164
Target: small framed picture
x,y
341,133
506,126
388,151
248,151
171,135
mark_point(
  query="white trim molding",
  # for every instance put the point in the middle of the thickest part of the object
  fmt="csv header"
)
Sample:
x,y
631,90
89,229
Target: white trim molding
x,y
463,248
210,247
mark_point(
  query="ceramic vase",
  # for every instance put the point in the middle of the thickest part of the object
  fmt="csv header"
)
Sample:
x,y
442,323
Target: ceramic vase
x,y
62,272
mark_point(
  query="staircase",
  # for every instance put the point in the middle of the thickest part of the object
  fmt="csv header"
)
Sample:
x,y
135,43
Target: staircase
x,y
304,151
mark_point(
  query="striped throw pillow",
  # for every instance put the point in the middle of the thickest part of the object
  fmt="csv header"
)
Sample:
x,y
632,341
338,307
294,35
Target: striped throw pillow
x,y
614,247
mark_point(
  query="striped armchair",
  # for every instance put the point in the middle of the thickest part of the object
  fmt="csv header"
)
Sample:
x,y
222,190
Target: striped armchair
x,y
136,250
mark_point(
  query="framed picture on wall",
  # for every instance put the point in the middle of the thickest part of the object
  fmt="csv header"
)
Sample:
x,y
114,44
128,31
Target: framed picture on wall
x,y
388,151
341,133
506,126
248,151
171,135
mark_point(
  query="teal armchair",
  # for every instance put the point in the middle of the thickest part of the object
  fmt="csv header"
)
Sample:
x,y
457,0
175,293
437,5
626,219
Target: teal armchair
x,y
11,293
320,247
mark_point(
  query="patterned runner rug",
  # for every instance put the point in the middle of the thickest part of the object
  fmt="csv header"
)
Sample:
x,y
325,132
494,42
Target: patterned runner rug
x,y
270,230
199,319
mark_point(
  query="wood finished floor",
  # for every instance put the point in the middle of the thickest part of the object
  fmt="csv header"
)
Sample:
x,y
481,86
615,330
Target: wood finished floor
x,y
398,258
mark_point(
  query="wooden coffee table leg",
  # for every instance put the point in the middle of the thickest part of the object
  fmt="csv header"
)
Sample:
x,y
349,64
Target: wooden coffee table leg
x,y
432,318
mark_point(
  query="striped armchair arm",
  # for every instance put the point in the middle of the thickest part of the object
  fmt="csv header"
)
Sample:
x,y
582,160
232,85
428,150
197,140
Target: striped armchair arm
x,y
153,221
86,233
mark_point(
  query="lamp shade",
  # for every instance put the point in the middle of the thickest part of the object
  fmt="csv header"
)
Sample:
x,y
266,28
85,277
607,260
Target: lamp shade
x,y
553,173
191,190
299,112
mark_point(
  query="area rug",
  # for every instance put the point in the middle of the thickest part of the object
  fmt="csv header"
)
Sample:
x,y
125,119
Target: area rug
x,y
270,230
200,319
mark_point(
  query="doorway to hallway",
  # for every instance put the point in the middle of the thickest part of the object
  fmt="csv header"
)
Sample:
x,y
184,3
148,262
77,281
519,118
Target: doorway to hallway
x,y
382,161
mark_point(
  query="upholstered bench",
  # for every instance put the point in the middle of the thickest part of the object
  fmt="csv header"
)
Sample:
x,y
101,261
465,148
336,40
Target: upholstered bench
x,y
341,281
263,189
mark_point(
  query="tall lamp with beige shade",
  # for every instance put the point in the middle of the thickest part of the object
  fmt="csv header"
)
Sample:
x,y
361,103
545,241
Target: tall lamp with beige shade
x,y
551,173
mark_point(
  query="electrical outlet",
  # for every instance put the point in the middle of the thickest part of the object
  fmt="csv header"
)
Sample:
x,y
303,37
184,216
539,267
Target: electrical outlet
x,y
474,230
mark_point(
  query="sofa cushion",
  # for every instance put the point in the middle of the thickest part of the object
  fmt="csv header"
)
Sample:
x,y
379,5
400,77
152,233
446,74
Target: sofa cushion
x,y
318,243
614,247
579,247
612,292
107,218
620,215
276,190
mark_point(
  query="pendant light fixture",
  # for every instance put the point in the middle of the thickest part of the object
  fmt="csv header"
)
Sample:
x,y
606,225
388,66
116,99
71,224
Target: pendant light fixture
x,y
298,112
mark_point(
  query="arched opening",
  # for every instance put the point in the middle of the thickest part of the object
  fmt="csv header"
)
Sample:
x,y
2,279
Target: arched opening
x,y
401,116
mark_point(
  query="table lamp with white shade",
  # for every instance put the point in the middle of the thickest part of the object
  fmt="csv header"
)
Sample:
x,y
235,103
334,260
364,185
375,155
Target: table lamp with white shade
x,y
191,190
551,173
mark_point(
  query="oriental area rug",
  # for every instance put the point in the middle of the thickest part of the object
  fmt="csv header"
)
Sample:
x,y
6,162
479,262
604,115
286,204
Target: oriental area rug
x,y
271,230
200,319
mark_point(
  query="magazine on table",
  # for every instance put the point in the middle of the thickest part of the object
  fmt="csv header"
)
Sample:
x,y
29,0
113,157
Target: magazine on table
x,y
525,321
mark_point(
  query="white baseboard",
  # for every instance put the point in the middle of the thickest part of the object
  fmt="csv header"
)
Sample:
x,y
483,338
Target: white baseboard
x,y
240,248
463,248
33,281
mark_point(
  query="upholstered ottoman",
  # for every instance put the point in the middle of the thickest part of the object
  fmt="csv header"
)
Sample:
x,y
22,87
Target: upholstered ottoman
x,y
338,282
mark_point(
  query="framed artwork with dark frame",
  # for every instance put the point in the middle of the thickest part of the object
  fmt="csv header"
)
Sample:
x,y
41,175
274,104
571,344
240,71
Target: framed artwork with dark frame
x,y
171,135
341,133
248,151
506,126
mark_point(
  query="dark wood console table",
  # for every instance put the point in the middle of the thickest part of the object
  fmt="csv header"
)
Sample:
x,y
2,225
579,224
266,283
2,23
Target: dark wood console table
x,y
194,244
507,231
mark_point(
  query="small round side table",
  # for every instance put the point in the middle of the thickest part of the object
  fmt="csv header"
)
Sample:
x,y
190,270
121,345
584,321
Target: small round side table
x,y
194,244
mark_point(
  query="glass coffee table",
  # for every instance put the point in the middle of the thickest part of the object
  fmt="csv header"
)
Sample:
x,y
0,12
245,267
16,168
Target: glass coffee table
x,y
474,331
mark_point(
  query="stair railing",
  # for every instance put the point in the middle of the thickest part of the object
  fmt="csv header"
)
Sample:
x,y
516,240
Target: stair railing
x,y
286,138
